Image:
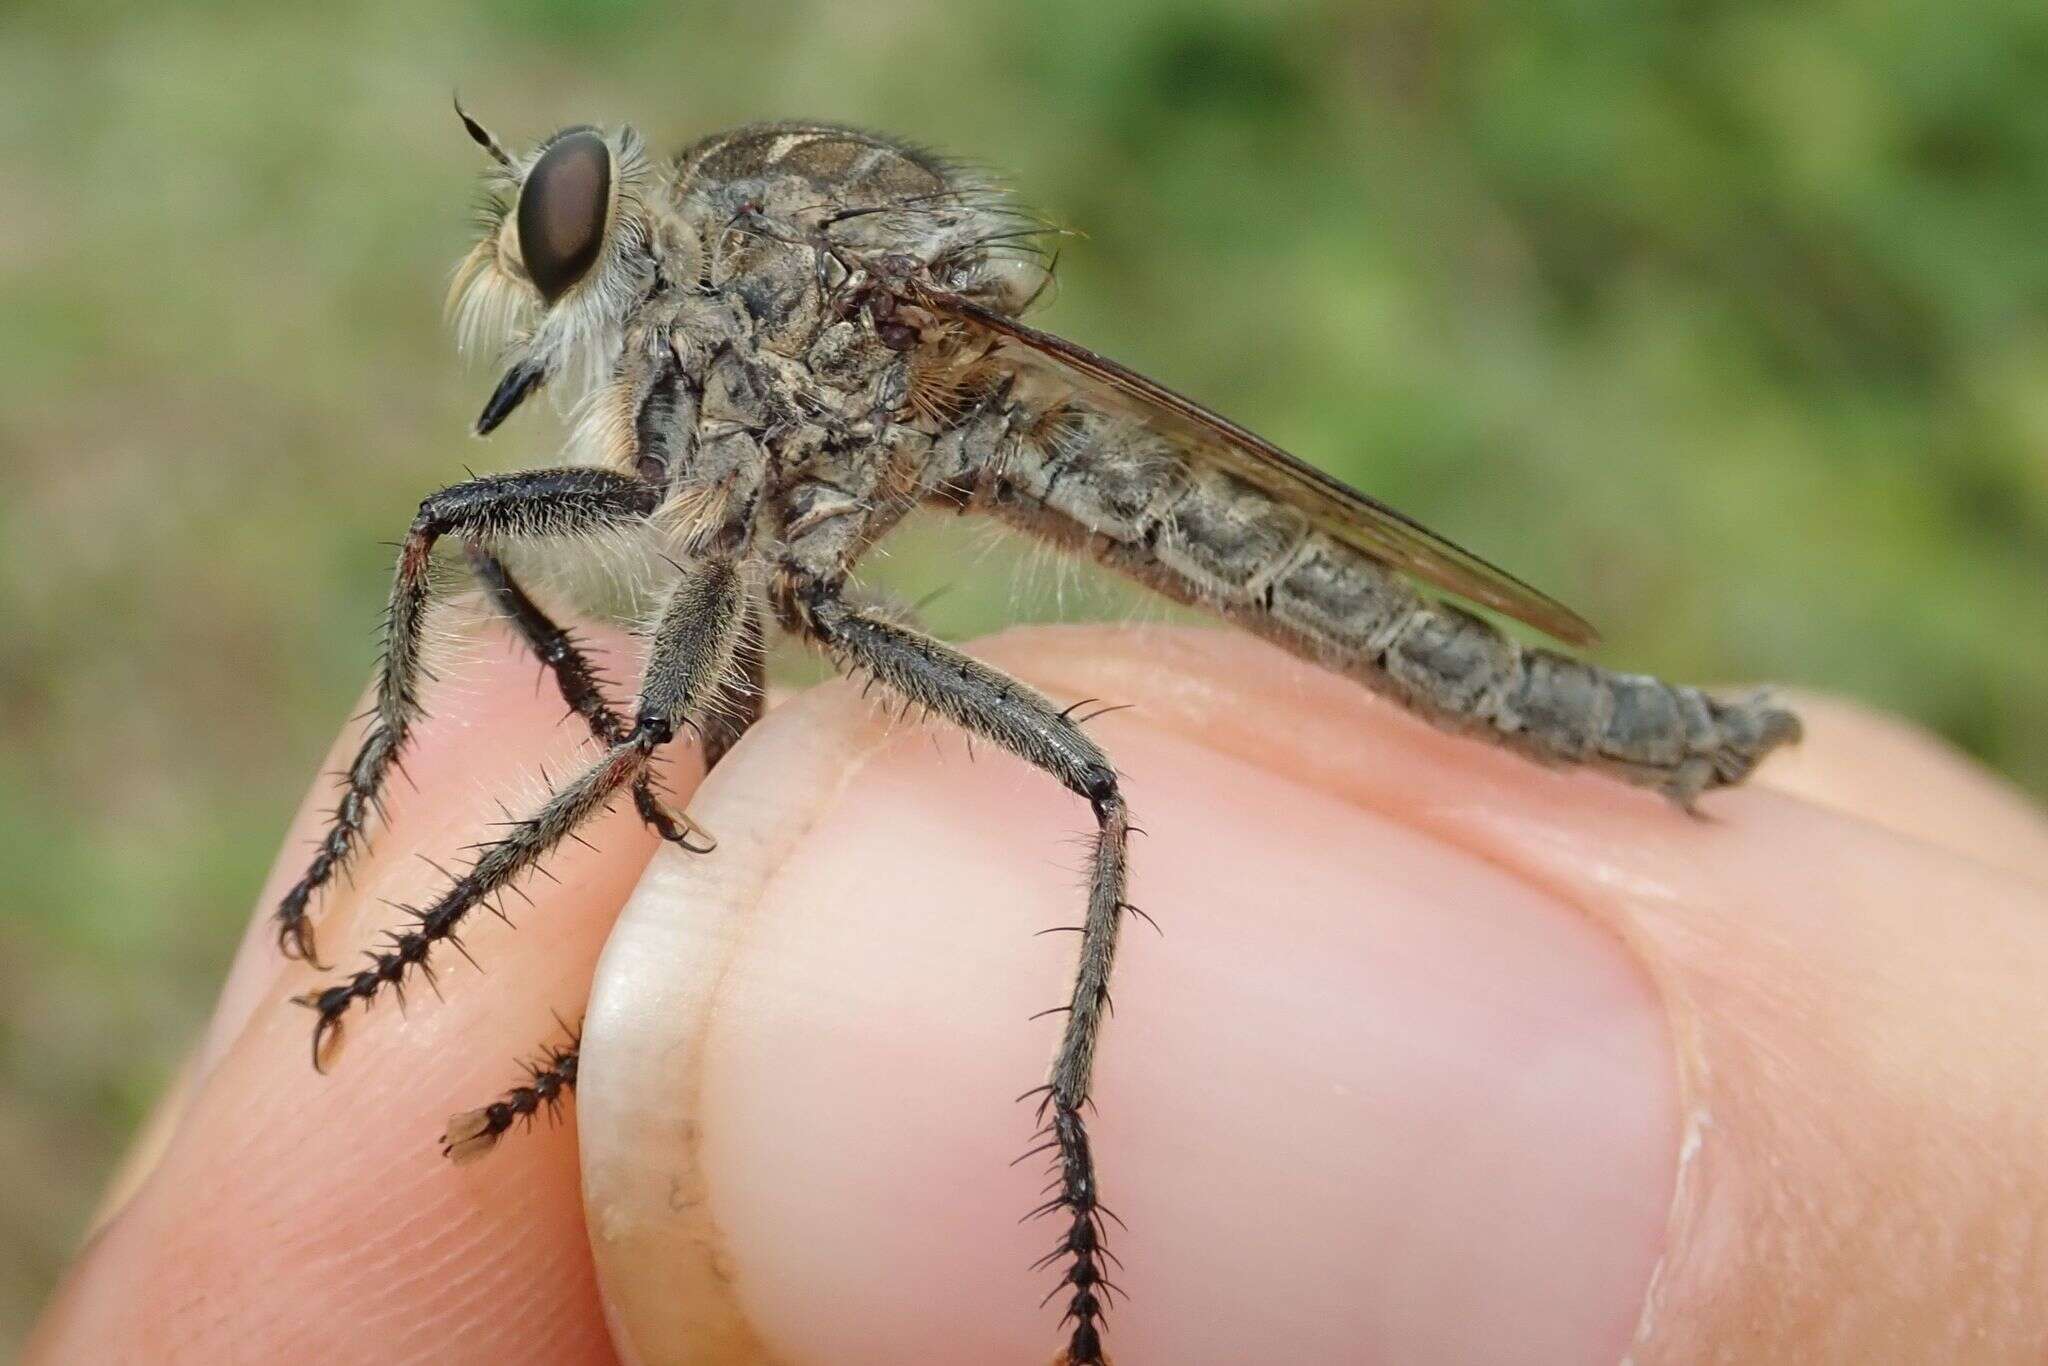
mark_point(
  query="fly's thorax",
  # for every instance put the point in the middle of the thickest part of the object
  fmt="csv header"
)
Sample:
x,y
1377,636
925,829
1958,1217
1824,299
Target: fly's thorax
x,y
809,160
778,284
847,358
721,421
839,196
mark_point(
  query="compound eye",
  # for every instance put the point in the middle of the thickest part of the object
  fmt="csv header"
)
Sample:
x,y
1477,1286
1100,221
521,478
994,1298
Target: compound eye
x,y
562,209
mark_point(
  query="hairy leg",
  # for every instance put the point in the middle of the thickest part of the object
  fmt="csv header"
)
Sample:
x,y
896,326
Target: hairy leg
x,y
743,695
691,655
991,704
563,502
584,692
552,1074
552,644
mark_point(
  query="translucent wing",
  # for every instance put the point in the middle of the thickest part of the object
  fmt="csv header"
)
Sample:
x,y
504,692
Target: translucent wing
x,y
1336,508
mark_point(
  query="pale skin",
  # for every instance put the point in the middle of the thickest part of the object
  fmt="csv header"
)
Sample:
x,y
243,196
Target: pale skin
x,y
1440,1057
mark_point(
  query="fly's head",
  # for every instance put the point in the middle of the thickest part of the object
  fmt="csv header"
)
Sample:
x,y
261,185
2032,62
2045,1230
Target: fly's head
x,y
566,255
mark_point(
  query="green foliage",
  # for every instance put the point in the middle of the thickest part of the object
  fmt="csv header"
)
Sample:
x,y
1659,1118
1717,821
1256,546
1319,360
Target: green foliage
x,y
1727,323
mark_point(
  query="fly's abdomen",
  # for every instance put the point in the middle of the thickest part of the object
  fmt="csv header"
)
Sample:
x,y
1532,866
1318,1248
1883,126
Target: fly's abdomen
x,y
1138,503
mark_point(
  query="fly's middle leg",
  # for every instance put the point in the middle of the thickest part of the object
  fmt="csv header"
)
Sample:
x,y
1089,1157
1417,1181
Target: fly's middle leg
x,y
743,695
582,690
566,502
551,1075
739,703
690,657
1001,709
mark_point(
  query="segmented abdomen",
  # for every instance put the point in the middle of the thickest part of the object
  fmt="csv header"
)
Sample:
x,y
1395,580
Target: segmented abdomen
x,y
1138,502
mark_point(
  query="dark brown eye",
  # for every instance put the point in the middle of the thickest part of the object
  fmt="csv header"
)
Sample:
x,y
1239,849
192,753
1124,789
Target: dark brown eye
x,y
562,211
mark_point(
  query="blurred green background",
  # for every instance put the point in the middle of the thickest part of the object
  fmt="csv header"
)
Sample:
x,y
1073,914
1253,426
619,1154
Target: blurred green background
x,y
1727,323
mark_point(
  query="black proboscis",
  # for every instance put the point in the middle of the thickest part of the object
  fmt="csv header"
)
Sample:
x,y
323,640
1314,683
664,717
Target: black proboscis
x,y
520,381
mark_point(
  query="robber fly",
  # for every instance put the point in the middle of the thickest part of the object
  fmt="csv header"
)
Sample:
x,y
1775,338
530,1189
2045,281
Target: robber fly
x,y
780,343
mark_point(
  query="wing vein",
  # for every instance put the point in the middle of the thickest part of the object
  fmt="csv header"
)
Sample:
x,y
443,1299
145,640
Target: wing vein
x,y
1358,519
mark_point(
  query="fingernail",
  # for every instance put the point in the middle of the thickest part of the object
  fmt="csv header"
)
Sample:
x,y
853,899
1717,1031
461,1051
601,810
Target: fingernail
x,y
1367,1096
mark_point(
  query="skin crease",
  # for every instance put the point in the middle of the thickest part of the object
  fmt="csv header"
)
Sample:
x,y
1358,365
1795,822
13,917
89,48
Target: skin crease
x,y
1445,1057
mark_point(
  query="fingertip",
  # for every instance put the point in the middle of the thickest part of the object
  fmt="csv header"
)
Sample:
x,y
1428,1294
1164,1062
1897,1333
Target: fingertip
x,y
293,1213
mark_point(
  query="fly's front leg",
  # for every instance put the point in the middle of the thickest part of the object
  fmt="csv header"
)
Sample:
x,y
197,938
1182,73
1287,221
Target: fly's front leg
x,y
539,503
551,644
689,659
1001,709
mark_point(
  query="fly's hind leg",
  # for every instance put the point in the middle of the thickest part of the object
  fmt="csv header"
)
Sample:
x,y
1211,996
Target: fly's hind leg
x,y
999,708
691,655
566,502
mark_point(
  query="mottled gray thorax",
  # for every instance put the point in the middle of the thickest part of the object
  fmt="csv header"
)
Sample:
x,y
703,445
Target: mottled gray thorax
x,y
768,414
795,181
